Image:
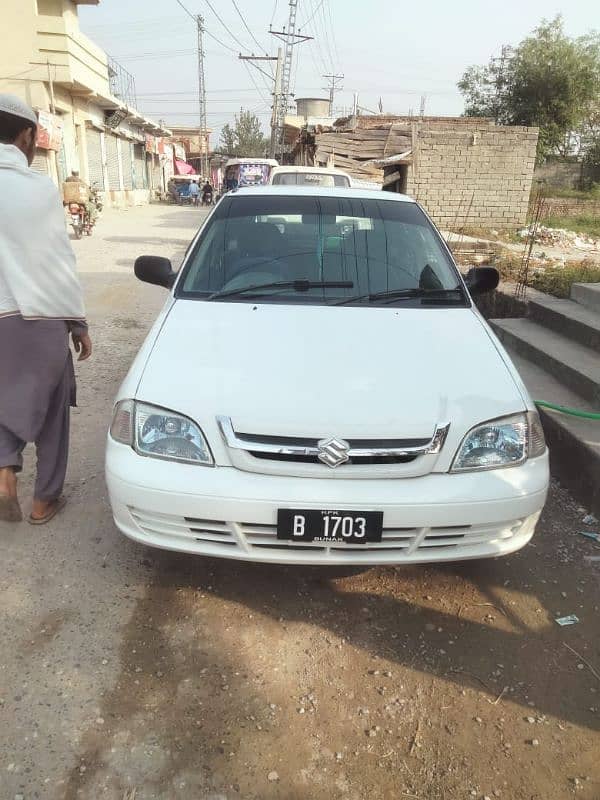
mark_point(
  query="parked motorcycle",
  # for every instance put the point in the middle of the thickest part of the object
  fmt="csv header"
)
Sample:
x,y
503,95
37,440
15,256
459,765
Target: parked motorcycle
x,y
80,220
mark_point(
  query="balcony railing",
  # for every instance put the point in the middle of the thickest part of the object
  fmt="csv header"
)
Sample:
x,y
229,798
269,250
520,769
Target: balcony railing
x,y
122,83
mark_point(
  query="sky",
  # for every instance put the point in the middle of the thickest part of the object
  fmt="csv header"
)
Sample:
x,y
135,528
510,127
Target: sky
x,y
386,49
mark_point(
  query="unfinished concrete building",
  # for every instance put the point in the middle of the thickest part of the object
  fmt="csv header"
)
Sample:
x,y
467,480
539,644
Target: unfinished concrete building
x,y
463,170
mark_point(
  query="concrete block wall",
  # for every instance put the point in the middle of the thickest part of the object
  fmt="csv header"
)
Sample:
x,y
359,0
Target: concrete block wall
x,y
474,174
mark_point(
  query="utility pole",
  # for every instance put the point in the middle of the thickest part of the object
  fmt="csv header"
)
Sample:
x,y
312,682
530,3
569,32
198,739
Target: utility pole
x,y
505,56
422,108
333,88
279,57
53,111
290,39
276,96
202,100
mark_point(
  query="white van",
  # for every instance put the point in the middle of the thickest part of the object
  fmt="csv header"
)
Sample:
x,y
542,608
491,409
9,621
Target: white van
x,y
310,176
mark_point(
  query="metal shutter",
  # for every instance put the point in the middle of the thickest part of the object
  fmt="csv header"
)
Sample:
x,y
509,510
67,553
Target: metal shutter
x,y
156,174
112,161
40,162
139,165
127,165
94,154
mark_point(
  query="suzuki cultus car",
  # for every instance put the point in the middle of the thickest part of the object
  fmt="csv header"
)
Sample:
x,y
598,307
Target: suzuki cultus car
x,y
319,388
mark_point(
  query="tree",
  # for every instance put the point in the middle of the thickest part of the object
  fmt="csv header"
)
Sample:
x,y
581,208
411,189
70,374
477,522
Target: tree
x,y
549,80
245,138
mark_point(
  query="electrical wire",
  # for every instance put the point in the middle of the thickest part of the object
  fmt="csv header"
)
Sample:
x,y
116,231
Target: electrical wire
x,y
186,101
150,95
208,33
312,16
252,36
325,27
315,44
189,13
333,36
274,12
262,97
229,31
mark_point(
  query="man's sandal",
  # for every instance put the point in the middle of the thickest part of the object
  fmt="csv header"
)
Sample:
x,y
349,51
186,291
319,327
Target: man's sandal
x,y
54,509
10,510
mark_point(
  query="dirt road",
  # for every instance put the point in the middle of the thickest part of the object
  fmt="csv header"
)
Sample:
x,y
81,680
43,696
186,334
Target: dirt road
x,y
131,674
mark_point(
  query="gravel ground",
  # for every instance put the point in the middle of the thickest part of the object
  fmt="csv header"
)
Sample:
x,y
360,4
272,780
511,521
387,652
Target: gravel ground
x,y
132,674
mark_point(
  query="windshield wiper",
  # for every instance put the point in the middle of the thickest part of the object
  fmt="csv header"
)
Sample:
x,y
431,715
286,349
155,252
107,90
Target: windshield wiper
x,y
297,286
401,294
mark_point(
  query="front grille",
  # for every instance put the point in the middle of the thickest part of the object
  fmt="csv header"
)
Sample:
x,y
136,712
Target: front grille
x,y
332,456
221,538
356,460
199,530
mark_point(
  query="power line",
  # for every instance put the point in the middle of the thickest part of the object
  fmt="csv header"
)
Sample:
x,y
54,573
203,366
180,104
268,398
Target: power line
x,y
229,31
312,16
240,15
274,12
333,37
189,13
326,36
212,36
262,97
208,33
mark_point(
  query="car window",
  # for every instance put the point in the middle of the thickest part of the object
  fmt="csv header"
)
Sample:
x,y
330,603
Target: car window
x,y
323,179
377,245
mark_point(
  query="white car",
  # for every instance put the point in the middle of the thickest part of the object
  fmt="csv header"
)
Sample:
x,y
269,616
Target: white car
x,y
310,176
320,389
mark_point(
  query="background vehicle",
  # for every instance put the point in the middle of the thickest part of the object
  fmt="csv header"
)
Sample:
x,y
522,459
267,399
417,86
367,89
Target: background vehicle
x,y
310,176
249,171
348,404
80,220
97,196
182,185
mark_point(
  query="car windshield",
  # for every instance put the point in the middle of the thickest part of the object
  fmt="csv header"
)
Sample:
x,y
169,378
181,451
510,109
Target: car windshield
x,y
320,249
324,179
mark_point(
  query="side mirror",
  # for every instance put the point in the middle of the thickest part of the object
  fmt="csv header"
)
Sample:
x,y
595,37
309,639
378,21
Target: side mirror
x,y
480,280
156,270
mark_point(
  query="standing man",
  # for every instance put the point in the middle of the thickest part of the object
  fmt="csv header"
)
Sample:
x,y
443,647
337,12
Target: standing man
x,y
194,192
41,304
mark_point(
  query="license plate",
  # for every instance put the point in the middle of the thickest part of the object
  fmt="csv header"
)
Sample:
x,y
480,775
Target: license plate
x,y
352,527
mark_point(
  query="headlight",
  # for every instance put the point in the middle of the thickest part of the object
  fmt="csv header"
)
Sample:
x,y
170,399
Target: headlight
x,y
500,443
159,433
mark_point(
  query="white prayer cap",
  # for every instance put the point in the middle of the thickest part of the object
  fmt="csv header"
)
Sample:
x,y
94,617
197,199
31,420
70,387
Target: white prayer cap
x,y
12,104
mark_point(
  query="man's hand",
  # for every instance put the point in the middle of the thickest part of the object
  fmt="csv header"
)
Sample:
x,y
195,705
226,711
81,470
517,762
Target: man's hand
x,y
83,345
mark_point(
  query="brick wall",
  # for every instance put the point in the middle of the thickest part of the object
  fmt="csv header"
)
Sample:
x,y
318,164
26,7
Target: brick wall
x,y
473,172
570,207
563,173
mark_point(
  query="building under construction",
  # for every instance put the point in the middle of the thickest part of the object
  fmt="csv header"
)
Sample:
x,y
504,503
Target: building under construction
x,y
463,170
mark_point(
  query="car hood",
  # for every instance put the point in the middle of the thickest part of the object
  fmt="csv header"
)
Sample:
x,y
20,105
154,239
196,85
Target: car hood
x,y
295,370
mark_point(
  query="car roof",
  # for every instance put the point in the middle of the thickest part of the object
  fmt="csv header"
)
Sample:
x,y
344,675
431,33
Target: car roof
x,y
234,162
318,191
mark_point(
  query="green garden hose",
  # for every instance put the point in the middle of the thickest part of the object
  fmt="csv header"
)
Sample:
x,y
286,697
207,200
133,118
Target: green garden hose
x,y
572,412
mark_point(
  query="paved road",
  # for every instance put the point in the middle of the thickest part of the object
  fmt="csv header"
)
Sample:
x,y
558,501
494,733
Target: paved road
x,y
128,673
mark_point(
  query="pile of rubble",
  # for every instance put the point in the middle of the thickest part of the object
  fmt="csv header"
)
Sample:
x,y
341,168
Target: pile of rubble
x,y
559,237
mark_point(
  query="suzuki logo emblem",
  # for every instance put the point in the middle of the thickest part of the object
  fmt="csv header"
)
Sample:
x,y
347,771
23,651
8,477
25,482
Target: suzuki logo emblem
x,y
333,452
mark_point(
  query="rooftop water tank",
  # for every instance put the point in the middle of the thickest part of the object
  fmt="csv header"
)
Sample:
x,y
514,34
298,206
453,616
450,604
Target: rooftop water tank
x,y
312,107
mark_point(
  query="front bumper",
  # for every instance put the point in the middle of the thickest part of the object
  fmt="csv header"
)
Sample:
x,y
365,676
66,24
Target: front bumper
x,y
225,512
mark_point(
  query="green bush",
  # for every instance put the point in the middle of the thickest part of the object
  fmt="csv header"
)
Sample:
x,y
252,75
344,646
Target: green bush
x,y
558,280
593,193
584,223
